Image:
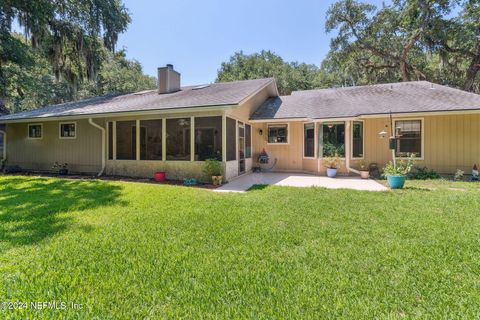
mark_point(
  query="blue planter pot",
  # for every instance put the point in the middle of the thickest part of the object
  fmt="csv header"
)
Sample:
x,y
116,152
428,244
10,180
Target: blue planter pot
x,y
331,172
396,182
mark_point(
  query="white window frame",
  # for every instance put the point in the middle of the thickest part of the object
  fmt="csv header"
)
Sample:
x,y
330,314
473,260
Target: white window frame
x,y
314,140
363,140
320,131
28,131
276,125
60,130
422,128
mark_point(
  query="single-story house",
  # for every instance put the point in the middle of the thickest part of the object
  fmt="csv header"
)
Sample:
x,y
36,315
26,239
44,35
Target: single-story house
x,y
174,129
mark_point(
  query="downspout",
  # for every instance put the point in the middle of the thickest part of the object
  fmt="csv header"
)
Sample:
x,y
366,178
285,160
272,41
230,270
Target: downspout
x,y
90,120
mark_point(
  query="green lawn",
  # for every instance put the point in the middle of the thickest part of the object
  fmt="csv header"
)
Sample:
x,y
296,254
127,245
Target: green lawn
x,y
131,250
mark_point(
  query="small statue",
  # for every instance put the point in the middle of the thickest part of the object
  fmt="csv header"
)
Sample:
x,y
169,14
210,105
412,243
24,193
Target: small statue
x,y
475,173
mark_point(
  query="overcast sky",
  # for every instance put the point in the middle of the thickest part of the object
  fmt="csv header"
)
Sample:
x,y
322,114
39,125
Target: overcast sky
x,y
196,36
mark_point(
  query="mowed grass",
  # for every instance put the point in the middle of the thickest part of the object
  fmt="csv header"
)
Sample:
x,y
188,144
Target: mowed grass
x,y
131,250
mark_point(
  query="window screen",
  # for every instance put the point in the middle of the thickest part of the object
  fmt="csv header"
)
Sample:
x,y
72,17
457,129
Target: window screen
x,y
410,137
68,130
151,139
126,140
231,139
278,133
35,131
110,140
333,139
309,140
178,139
208,138
357,143
248,141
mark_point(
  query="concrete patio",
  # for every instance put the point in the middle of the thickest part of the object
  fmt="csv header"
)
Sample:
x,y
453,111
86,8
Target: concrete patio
x,y
243,183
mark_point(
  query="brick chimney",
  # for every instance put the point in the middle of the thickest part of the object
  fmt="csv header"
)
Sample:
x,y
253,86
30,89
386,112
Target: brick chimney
x,y
168,79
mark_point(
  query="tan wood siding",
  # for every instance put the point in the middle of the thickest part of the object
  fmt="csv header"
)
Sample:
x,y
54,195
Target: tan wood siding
x,y
82,154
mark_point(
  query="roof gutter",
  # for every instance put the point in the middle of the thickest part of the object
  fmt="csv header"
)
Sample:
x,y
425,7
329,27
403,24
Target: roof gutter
x,y
181,110
102,129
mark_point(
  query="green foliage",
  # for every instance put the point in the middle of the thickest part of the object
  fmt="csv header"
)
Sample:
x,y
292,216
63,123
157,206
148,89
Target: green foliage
x,y
212,167
331,149
425,174
331,162
290,76
404,40
459,174
402,167
135,251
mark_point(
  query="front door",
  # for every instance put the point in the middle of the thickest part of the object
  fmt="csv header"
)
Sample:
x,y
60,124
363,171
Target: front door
x,y
241,147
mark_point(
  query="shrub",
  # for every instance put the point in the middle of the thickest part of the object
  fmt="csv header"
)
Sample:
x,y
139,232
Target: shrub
x,y
213,167
403,167
459,175
425,174
331,162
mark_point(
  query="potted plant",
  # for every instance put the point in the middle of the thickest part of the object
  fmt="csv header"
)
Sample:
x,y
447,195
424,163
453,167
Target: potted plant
x,y
62,168
331,163
213,168
364,172
396,174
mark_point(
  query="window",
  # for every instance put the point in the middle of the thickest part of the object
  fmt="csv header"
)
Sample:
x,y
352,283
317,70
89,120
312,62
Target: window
x,y
2,138
248,141
357,139
126,132
208,138
151,139
241,147
178,139
410,137
231,139
68,130
333,139
35,131
277,133
110,141
309,140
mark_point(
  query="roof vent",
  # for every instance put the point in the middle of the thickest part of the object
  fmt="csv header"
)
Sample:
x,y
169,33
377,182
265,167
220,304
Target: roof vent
x,y
431,86
201,87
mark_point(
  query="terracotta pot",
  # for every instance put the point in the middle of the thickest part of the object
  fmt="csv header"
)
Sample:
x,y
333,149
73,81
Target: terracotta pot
x,y
364,174
217,180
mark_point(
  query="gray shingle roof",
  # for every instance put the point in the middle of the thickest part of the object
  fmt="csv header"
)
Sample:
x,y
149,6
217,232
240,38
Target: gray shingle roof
x,y
215,94
403,97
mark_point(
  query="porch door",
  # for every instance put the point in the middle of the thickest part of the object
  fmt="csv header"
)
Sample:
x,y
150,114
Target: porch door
x,y
241,147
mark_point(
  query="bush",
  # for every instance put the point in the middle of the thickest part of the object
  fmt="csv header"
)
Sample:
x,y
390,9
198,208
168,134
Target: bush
x,y
331,162
425,174
213,167
402,169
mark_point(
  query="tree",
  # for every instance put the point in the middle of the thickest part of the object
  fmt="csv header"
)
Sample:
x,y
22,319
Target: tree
x,y
409,39
67,32
289,76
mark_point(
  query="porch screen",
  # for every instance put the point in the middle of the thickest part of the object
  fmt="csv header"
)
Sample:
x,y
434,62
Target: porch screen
x,y
126,140
357,139
231,139
248,141
333,139
309,140
410,137
110,140
151,139
178,139
1,145
208,138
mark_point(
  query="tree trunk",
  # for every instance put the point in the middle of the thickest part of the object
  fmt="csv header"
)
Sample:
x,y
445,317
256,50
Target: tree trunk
x,y
472,72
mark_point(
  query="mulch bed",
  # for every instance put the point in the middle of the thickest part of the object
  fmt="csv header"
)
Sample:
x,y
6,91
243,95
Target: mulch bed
x,y
113,178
